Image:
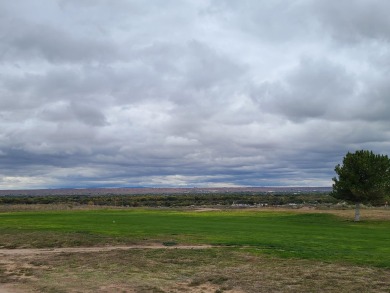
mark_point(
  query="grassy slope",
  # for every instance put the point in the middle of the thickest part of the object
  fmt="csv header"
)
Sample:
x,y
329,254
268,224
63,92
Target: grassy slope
x,y
310,236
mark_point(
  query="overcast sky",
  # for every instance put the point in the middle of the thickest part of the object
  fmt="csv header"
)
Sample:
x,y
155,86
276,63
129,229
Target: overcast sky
x,y
104,93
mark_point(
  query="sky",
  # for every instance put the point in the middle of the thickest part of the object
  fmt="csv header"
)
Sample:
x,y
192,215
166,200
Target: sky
x,y
190,93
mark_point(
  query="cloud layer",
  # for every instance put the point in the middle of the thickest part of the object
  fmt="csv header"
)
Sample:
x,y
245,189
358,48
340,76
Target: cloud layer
x,y
189,93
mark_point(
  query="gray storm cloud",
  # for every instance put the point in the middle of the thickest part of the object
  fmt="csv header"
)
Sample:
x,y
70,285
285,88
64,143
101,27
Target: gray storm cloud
x,y
189,93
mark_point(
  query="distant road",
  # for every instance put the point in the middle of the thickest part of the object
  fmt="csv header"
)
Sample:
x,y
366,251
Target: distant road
x,y
135,191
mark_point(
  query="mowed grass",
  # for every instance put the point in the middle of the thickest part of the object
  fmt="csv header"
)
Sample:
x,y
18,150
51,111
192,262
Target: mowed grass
x,y
315,236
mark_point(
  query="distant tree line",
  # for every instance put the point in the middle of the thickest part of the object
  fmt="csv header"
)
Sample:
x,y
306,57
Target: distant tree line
x,y
175,200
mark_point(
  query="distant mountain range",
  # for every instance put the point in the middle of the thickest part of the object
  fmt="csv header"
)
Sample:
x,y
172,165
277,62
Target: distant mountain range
x,y
146,190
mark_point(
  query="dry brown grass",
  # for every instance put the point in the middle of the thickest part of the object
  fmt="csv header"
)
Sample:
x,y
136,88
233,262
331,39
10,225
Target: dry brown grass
x,y
377,214
173,270
367,213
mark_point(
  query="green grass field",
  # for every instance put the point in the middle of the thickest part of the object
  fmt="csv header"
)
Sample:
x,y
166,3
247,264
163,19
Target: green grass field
x,y
313,236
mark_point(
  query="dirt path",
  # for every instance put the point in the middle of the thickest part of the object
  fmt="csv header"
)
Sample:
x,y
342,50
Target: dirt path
x,y
37,251
7,257
6,289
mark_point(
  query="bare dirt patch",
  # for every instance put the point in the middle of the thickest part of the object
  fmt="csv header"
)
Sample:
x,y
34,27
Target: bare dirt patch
x,y
366,214
9,288
207,270
206,210
376,214
37,251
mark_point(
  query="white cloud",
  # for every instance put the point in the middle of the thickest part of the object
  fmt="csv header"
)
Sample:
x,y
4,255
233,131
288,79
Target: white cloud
x,y
196,93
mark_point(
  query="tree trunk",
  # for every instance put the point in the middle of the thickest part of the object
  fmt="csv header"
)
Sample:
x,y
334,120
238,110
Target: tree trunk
x,y
357,212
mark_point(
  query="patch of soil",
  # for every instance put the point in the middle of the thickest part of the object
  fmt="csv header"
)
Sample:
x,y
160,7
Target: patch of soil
x,y
37,251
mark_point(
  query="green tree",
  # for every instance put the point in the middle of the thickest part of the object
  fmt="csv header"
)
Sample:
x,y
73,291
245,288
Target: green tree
x,y
363,177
